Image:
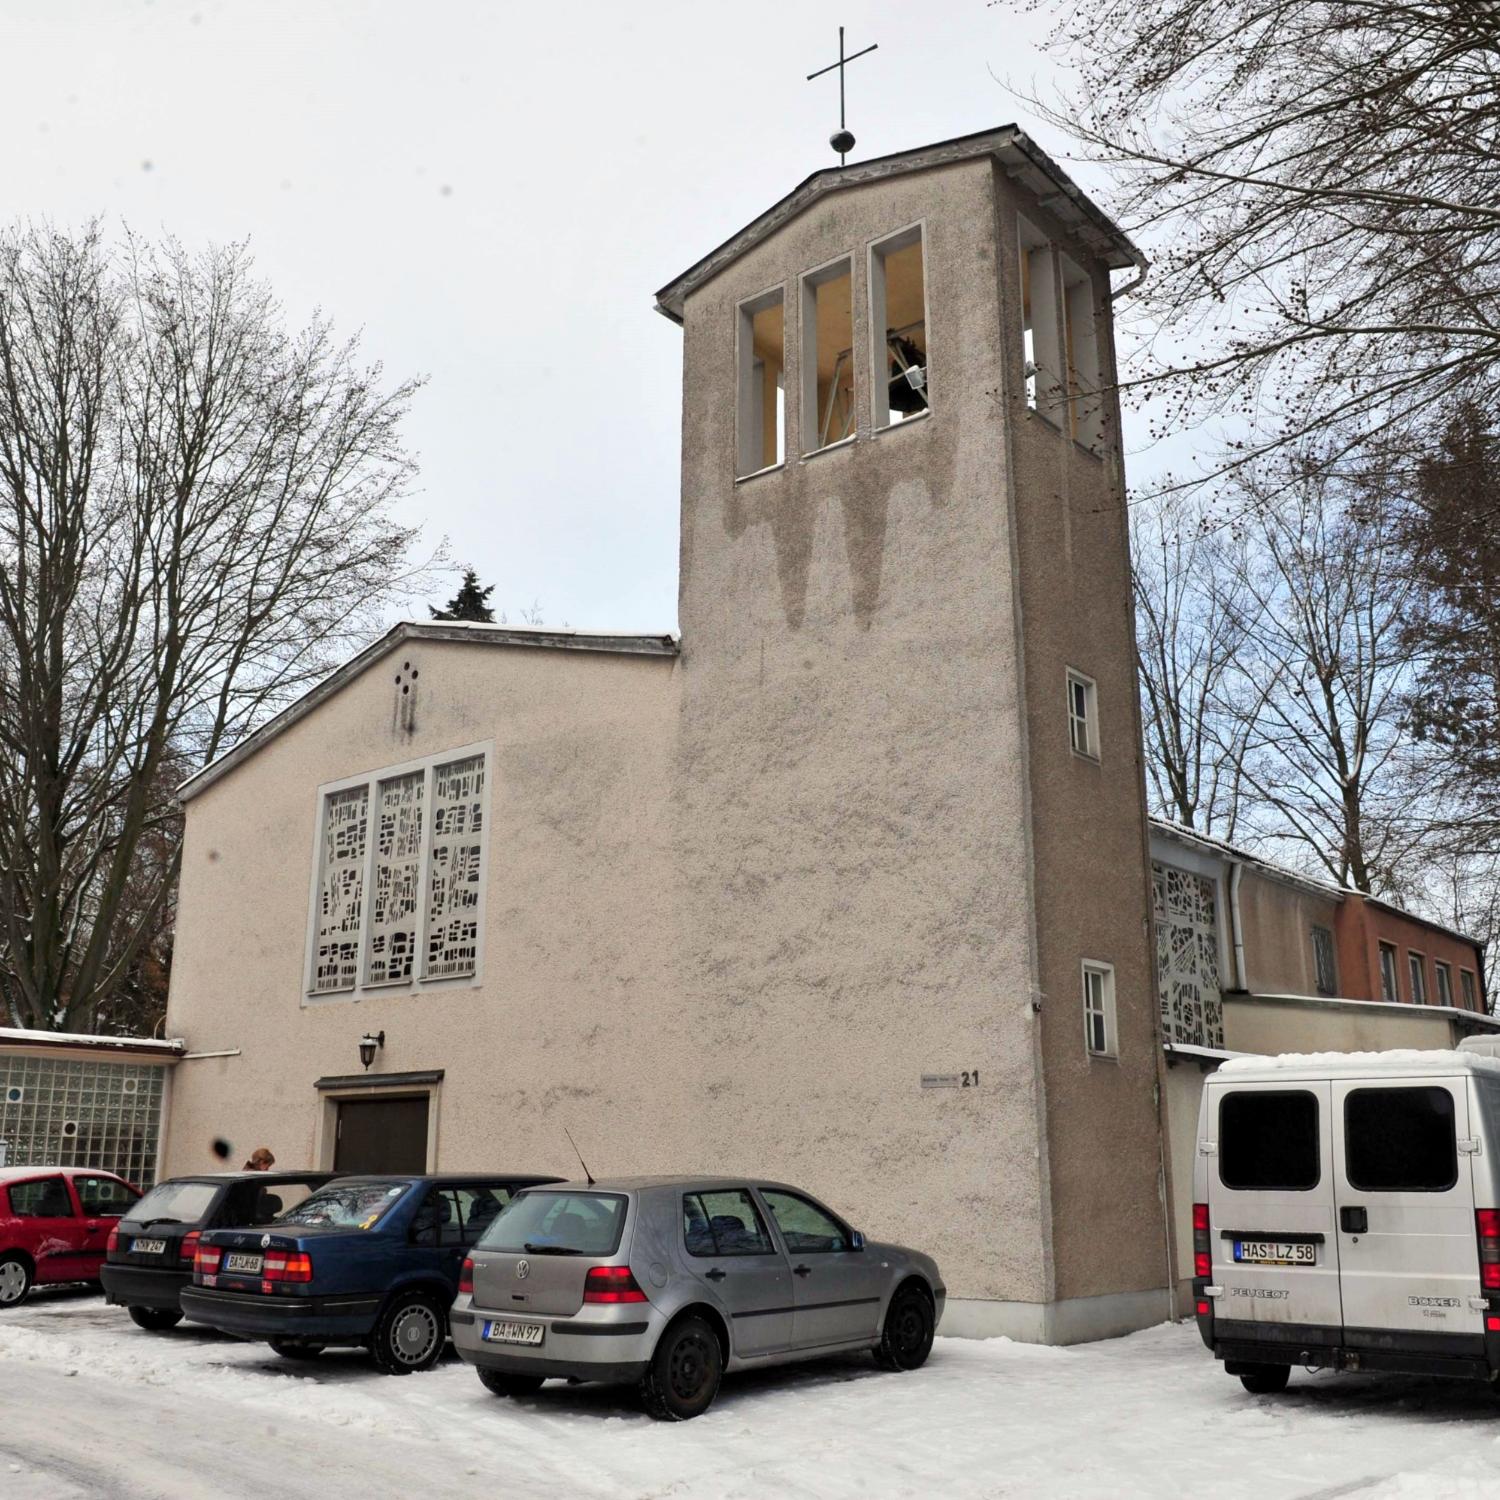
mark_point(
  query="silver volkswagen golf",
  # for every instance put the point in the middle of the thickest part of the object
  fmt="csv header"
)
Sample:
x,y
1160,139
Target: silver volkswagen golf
x,y
670,1281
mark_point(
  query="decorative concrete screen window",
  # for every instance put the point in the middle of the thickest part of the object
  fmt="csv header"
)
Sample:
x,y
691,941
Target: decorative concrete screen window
x,y
898,327
399,893
1083,714
828,414
61,1112
761,355
1099,1009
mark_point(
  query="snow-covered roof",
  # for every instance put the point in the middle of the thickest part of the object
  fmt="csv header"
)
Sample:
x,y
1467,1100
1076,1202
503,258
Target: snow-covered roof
x,y
468,632
1401,1061
22,1037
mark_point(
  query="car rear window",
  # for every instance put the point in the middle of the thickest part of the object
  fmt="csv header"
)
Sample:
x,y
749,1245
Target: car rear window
x,y
175,1203
1400,1140
1268,1140
351,1205
572,1223
260,1203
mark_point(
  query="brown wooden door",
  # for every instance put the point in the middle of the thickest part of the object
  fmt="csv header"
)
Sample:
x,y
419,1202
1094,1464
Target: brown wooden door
x,y
382,1135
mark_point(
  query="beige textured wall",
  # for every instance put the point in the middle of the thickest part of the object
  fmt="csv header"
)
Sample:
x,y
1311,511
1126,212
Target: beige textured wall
x,y
1088,820
559,1029
1278,921
849,770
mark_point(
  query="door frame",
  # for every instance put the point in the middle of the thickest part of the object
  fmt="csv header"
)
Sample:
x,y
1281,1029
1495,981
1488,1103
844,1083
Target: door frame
x,y
332,1091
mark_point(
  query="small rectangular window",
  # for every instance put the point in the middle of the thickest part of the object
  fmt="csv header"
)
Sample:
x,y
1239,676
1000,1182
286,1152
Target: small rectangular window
x,y
1416,966
1400,1140
828,415
1388,989
1322,941
723,1223
1470,989
898,327
1268,1140
1444,983
1099,1010
1083,718
1080,346
761,354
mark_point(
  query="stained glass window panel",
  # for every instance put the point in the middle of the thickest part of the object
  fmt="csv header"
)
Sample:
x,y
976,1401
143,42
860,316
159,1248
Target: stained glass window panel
x,y
396,893
455,871
341,889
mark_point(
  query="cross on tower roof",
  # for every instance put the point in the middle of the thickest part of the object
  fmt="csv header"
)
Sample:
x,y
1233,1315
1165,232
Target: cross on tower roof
x,y
842,140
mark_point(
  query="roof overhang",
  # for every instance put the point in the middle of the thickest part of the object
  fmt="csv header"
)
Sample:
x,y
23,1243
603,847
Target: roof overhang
x,y
460,631
1016,152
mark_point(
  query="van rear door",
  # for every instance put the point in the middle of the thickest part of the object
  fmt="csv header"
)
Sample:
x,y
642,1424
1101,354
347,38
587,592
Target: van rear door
x,y
1272,1235
1408,1255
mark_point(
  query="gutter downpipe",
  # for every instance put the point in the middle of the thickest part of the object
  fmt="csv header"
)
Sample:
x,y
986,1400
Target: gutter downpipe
x,y
1236,926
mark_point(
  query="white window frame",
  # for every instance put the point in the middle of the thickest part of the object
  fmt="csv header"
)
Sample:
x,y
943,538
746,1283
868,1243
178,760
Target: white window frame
x,y
1090,720
749,418
1468,987
1416,975
1443,973
875,253
1319,929
1390,982
1104,1009
371,780
809,419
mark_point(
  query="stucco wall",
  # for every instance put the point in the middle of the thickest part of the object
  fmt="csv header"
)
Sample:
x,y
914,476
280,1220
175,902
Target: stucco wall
x,y
573,967
1088,825
1278,921
1260,1024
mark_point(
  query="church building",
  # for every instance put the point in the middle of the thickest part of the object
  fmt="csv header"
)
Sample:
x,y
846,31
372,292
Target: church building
x,y
851,885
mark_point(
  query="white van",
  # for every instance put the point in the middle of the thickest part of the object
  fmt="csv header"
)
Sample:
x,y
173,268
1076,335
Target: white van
x,y
1346,1215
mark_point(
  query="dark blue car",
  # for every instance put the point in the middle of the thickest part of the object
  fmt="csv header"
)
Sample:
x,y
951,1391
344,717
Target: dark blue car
x,y
364,1261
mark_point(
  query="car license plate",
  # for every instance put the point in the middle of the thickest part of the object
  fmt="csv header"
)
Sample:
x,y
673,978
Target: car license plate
x,y
244,1265
148,1247
1276,1252
507,1331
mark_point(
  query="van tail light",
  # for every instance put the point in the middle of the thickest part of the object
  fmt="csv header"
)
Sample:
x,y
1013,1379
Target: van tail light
x,y
206,1260
287,1265
1487,1222
611,1284
188,1249
114,1241
1203,1261
466,1277
1205,1308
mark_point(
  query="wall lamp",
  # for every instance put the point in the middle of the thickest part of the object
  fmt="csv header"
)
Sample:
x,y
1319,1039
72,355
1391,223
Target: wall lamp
x,y
369,1044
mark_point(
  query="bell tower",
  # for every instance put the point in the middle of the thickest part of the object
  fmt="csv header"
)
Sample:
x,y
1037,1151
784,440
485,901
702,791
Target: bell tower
x,y
908,813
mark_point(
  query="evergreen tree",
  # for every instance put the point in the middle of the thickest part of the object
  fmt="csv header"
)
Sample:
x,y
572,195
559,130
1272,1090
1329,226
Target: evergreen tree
x,y
470,603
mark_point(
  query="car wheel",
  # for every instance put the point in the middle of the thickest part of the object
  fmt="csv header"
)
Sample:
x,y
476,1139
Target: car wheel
x,y
1267,1380
15,1280
295,1348
683,1377
498,1383
906,1338
409,1335
154,1319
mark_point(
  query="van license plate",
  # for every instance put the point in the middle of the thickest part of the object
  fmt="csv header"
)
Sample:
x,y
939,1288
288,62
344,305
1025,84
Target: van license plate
x,y
506,1331
1276,1252
148,1247
244,1265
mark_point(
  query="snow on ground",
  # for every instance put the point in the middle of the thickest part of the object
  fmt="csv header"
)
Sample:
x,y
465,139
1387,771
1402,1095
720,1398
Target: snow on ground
x,y
91,1406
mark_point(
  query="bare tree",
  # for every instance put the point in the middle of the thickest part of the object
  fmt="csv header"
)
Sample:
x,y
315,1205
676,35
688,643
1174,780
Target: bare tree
x,y
1192,615
1318,185
1324,656
195,517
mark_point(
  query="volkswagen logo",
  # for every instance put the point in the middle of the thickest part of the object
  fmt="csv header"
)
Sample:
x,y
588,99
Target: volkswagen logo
x,y
523,1269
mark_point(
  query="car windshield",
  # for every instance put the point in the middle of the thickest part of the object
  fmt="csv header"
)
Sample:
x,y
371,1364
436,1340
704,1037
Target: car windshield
x,y
175,1203
569,1223
345,1205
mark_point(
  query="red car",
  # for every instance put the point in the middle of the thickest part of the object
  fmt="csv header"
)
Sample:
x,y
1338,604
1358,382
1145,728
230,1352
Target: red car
x,y
55,1224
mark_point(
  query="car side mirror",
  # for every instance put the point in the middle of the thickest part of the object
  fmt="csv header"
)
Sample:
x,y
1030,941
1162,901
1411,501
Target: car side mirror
x,y
856,1240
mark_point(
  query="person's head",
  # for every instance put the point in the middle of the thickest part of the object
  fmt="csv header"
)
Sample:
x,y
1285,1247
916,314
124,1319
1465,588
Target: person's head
x,y
261,1159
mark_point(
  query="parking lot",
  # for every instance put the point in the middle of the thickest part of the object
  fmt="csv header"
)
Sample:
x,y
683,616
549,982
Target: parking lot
x,y
93,1406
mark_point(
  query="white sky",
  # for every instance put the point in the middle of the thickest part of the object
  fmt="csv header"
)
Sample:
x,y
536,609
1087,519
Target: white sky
x,y
492,192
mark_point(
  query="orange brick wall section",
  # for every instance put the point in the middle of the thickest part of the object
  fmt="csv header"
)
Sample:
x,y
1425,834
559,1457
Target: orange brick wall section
x,y
1361,926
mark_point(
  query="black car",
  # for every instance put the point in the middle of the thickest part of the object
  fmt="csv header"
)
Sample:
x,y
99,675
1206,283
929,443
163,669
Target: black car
x,y
151,1250
368,1262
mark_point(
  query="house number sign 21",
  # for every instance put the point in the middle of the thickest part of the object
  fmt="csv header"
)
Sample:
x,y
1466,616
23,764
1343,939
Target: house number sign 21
x,y
967,1079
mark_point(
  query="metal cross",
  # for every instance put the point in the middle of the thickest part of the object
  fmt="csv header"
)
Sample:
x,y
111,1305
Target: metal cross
x,y
843,141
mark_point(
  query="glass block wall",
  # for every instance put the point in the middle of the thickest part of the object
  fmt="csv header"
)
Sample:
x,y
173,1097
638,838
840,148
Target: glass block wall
x,y
57,1112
